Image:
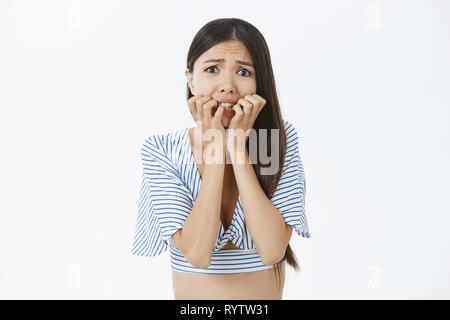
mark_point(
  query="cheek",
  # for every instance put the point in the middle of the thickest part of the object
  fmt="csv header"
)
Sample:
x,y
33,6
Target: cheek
x,y
249,88
203,86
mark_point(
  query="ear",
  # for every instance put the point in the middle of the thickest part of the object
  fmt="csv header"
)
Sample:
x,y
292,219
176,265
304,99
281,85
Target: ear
x,y
189,80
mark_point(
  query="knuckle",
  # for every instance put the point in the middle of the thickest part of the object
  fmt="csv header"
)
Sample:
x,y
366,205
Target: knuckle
x,y
194,98
202,100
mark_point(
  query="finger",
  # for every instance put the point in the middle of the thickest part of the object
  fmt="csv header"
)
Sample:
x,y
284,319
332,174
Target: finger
x,y
260,99
238,111
258,103
218,114
253,98
207,108
194,98
191,103
247,105
199,103
248,109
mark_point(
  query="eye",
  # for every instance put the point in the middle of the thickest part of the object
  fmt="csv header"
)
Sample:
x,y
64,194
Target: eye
x,y
209,68
249,73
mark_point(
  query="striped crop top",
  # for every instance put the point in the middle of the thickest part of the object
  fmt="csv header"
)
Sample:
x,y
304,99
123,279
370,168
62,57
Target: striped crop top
x,y
170,185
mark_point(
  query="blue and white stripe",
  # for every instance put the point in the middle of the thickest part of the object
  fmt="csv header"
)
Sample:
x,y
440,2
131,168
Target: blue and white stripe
x,y
171,183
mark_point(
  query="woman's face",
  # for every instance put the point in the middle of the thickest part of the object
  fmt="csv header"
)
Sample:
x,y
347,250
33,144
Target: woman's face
x,y
231,78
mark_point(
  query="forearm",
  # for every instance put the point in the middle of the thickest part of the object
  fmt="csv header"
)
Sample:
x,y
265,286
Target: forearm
x,y
264,222
199,232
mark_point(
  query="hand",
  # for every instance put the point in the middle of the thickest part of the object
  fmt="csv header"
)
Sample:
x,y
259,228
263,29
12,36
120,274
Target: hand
x,y
211,128
243,120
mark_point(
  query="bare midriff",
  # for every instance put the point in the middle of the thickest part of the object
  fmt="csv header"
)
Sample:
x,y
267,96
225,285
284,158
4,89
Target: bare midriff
x,y
262,285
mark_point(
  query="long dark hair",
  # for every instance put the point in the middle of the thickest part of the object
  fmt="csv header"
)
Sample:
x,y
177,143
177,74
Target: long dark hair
x,y
224,29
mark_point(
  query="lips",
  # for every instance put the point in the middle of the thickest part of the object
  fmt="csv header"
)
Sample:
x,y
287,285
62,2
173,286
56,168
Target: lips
x,y
233,101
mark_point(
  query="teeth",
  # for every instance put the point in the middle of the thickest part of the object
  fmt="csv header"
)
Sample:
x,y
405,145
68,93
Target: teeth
x,y
225,105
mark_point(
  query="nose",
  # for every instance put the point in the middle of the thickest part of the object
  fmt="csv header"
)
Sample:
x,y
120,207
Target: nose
x,y
227,84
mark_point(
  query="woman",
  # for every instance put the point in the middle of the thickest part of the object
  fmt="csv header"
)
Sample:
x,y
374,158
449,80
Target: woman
x,y
226,221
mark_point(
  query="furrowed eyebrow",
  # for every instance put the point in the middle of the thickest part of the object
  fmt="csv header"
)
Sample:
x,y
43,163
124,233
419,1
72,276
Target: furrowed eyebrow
x,y
222,60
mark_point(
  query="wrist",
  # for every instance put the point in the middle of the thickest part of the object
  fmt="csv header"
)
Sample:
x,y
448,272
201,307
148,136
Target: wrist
x,y
214,154
238,156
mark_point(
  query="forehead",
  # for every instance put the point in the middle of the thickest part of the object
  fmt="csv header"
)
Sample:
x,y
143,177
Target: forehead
x,y
230,48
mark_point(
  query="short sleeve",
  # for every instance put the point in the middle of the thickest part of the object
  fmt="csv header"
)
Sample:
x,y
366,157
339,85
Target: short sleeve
x,y
289,195
164,200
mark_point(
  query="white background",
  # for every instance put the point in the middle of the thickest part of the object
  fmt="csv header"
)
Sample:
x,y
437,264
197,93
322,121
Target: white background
x,y
83,83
